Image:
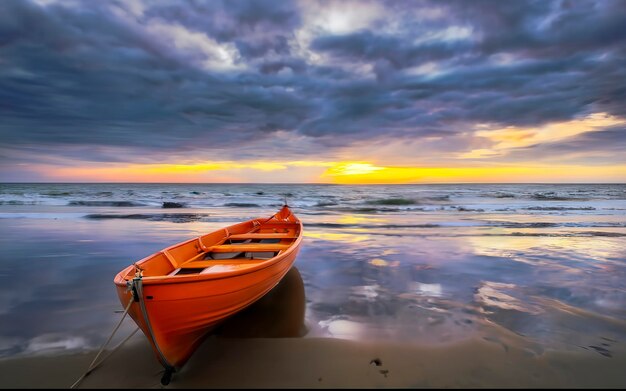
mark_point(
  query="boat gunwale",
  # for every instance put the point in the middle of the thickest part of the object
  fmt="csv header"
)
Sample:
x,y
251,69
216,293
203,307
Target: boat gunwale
x,y
204,296
120,280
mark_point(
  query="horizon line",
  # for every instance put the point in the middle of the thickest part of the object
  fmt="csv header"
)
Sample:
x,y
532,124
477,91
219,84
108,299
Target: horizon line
x,y
315,183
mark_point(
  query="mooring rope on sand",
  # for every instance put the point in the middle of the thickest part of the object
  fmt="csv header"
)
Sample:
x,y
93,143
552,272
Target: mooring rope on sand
x,y
92,366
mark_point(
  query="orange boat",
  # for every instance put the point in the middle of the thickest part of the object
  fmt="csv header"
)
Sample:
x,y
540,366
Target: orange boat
x,y
179,294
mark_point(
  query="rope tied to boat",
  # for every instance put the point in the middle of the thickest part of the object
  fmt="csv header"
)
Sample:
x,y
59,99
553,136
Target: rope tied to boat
x,y
136,288
138,270
93,365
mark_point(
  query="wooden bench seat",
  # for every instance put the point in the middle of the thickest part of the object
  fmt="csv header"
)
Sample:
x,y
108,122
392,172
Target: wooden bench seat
x,y
205,264
268,235
248,247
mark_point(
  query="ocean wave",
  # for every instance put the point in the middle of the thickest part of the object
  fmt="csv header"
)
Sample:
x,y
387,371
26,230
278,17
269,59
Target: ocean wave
x,y
405,208
489,224
501,195
57,193
513,224
465,209
382,209
603,233
391,201
441,234
553,208
571,234
106,203
437,198
171,217
242,205
552,196
541,224
365,209
326,203
399,201
16,202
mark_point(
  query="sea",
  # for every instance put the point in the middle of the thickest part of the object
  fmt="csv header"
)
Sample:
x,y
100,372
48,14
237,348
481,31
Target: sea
x,y
543,265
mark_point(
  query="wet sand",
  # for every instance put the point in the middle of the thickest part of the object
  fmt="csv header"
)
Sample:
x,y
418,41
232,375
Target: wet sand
x,y
325,363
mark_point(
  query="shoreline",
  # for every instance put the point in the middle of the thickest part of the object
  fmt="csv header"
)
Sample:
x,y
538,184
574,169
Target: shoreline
x,y
325,363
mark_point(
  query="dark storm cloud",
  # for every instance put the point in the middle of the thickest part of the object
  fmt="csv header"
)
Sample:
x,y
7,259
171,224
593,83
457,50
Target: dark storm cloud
x,y
546,28
365,45
105,74
84,77
558,67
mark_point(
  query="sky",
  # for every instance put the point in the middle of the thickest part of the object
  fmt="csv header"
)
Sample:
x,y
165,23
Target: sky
x,y
313,91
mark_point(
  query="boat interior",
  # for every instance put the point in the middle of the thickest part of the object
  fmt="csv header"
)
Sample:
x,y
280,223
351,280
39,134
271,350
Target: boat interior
x,y
236,247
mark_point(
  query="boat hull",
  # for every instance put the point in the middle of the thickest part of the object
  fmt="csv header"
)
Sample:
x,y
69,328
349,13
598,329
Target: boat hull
x,y
177,313
181,315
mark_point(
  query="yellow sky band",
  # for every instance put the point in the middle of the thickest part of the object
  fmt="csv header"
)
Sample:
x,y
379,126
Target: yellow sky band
x,y
333,172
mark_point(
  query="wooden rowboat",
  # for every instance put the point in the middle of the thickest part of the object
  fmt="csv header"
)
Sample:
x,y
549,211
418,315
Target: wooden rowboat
x,y
179,294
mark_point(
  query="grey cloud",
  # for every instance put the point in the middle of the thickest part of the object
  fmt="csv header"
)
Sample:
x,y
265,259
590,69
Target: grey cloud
x,y
110,87
367,46
79,74
257,28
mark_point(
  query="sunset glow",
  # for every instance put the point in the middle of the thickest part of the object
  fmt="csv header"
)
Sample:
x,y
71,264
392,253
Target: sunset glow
x,y
331,172
505,174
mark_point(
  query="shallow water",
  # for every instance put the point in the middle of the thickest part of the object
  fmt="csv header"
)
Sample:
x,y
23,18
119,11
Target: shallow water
x,y
420,264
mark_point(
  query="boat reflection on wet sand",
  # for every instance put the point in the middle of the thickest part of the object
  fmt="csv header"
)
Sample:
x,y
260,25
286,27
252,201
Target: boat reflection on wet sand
x,y
278,314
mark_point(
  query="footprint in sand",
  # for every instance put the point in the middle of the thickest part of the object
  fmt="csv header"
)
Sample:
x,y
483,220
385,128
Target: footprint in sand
x,y
378,362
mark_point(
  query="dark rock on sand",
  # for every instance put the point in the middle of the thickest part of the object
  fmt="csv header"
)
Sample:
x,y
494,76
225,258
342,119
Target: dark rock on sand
x,y
173,205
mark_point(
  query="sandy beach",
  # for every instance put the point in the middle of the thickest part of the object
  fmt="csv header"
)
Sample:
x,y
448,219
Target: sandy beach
x,y
326,363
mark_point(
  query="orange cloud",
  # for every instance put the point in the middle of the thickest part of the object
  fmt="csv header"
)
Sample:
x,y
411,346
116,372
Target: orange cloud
x,y
516,137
